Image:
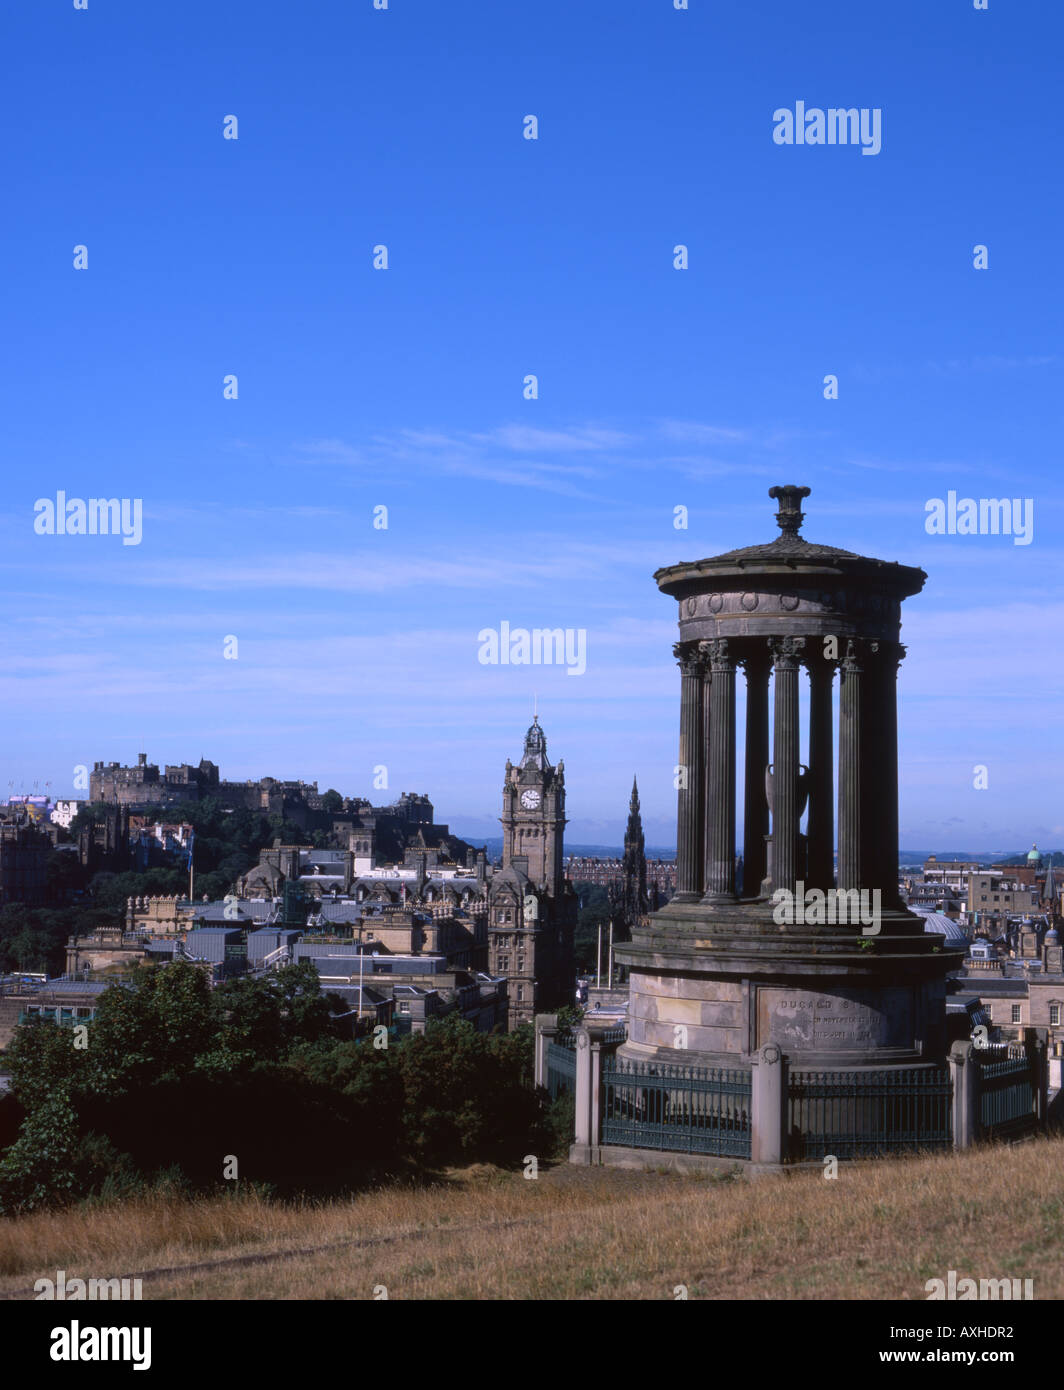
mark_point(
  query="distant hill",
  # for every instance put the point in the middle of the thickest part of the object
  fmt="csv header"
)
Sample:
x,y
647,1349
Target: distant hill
x,y
905,856
990,856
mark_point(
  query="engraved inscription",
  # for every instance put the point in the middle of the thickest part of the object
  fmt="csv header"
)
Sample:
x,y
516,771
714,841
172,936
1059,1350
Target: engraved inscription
x,y
804,1020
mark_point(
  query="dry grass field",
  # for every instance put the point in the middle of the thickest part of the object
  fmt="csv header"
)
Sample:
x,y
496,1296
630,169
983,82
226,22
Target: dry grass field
x,y
879,1231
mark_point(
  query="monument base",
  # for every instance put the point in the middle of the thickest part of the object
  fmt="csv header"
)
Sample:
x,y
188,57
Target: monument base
x,y
711,984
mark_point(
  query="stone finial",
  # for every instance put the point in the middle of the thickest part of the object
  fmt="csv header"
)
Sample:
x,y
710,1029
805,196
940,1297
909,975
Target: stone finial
x,y
790,516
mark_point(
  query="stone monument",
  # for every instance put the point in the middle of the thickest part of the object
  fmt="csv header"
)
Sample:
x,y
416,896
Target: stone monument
x,y
833,974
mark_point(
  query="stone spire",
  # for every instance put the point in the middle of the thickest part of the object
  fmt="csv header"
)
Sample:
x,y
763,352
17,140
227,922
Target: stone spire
x,y
1049,891
635,862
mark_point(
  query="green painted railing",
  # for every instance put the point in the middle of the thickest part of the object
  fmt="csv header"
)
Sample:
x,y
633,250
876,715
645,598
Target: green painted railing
x,y
1007,1092
865,1114
698,1110
561,1066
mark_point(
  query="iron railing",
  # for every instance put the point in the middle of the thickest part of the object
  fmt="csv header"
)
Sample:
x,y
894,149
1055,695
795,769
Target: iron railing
x,y
1008,1091
650,1105
561,1066
867,1114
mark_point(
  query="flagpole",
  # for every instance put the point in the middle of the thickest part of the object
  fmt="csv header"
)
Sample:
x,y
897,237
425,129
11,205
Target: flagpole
x,y
361,952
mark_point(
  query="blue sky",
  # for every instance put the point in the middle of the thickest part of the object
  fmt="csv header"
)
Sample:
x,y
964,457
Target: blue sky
x,y
404,388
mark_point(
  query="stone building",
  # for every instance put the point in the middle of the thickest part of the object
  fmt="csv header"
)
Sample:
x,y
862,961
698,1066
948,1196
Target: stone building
x,y
532,906
24,850
994,896
145,786
105,844
604,873
950,873
1022,989
158,916
106,948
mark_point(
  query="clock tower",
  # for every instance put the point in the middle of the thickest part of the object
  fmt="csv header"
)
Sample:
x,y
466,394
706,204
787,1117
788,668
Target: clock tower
x,y
532,906
533,814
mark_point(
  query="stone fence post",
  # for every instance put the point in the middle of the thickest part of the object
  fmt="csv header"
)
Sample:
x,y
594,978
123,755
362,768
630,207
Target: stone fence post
x,y
1036,1045
546,1026
588,1139
964,1077
768,1106
1056,1066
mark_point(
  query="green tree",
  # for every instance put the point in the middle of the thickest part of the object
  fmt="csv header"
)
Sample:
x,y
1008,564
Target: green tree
x,y
38,1169
465,1095
43,1063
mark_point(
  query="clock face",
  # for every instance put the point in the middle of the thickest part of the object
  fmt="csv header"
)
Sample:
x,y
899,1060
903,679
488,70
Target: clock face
x,y
530,799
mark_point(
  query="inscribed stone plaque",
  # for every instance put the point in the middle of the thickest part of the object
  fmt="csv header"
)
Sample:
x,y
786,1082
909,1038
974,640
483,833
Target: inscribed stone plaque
x,y
805,1020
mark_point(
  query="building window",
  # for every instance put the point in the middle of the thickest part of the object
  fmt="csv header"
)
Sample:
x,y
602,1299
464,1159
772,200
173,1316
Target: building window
x,y
520,993
1054,1015
520,965
504,963
1015,1013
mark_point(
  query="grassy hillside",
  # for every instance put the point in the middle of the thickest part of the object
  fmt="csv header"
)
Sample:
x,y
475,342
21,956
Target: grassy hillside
x,y
879,1231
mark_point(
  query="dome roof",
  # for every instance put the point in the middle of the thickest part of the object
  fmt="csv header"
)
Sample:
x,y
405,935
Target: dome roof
x,y
1033,856
939,923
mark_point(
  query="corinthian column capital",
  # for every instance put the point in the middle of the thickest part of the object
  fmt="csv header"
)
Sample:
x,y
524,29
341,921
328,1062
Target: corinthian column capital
x,y
786,651
719,654
689,658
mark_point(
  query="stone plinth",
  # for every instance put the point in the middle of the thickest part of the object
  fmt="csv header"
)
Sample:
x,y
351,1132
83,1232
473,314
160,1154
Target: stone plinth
x,y
712,989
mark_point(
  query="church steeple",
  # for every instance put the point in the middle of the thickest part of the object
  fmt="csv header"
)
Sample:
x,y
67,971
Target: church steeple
x,y
635,862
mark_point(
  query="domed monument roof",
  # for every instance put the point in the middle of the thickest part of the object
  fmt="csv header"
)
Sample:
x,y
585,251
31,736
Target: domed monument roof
x,y
790,587
790,553
1033,857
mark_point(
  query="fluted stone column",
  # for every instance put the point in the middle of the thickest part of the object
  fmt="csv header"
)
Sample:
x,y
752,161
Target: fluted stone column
x,y
850,780
883,745
785,751
705,650
689,857
755,809
821,770
720,804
